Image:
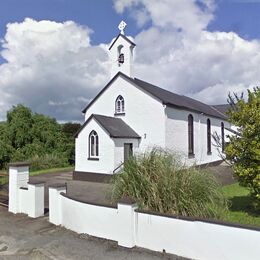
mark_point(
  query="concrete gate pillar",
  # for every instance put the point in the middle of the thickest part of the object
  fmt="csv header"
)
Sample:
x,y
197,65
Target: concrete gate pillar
x,y
18,177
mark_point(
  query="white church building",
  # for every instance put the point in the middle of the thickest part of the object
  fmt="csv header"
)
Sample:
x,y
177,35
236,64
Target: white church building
x,y
130,116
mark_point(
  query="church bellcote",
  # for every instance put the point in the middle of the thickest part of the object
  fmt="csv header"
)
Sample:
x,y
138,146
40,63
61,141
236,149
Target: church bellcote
x,y
121,53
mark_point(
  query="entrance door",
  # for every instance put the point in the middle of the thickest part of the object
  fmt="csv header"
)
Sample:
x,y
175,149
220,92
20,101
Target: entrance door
x,y
128,151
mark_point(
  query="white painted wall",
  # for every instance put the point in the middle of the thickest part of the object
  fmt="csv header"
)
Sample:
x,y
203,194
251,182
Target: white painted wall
x,y
18,177
23,200
89,219
127,50
119,149
195,239
187,238
177,135
35,201
29,200
105,164
55,212
143,113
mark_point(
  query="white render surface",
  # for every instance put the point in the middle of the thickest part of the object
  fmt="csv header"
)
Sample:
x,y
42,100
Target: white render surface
x,y
188,238
127,49
196,239
55,204
35,200
143,113
18,177
119,149
105,164
23,197
177,135
89,219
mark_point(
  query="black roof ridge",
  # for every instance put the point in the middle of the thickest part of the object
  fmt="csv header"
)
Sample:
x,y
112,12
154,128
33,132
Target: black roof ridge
x,y
218,110
223,108
122,35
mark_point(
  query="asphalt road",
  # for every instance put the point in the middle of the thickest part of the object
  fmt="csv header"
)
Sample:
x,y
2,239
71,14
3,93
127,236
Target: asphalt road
x,y
22,237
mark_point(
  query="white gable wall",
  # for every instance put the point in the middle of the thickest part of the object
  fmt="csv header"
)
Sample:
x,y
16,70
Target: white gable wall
x,y
143,113
106,150
177,135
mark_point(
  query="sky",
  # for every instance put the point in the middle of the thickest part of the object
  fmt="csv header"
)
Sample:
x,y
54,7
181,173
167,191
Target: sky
x,y
54,53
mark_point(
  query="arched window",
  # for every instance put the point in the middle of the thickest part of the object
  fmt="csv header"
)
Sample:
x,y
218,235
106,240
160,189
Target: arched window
x,y
93,144
119,105
190,135
222,136
208,136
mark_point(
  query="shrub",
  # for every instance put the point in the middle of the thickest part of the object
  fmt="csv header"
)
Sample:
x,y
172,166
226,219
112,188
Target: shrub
x,y
159,181
47,162
243,149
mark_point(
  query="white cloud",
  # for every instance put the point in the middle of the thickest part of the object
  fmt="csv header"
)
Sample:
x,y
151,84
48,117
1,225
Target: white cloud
x,y
51,67
192,61
182,14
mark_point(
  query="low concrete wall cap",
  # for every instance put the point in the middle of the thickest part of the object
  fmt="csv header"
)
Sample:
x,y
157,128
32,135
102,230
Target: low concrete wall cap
x,y
19,164
105,205
210,221
127,200
35,182
58,185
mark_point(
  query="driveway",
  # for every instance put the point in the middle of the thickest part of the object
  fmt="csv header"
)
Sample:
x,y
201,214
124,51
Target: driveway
x,y
22,237
89,191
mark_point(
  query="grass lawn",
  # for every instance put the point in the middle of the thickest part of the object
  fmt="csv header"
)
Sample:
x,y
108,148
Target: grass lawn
x,y
4,180
240,210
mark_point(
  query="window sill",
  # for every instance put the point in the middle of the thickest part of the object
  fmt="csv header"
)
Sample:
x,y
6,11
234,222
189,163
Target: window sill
x,y
209,153
93,159
191,155
119,114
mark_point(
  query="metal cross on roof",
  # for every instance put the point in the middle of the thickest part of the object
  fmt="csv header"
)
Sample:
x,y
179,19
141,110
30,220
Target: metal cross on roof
x,y
121,27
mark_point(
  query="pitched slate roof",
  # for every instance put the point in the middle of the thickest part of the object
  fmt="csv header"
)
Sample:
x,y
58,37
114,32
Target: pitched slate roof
x,y
222,108
168,98
116,127
180,101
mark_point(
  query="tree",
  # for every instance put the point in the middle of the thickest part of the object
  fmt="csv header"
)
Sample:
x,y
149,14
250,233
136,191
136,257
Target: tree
x,y
243,149
33,137
70,129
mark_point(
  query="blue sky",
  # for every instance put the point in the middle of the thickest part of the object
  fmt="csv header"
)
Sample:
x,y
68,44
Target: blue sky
x,y
220,37
240,16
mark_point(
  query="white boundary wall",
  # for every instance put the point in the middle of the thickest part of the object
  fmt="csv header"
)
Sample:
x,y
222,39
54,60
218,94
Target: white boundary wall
x,y
24,196
196,239
185,237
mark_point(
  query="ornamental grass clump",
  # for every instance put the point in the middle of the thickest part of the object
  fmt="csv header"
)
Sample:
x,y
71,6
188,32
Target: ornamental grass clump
x,y
159,181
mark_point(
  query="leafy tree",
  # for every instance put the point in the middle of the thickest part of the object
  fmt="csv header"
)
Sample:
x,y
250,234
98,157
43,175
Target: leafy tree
x,y
34,137
243,149
70,129
19,122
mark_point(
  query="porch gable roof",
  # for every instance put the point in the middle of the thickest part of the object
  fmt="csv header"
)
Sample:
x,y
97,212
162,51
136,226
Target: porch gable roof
x,y
115,127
